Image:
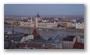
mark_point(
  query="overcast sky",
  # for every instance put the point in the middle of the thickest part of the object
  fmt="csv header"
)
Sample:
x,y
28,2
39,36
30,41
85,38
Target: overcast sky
x,y
44,9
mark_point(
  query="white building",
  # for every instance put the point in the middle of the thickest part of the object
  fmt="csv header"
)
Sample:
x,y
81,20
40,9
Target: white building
x,y
9,21
68,42
68,24
73,20
26,24
56,19
73,24
42,25
80,25
24,18
44,21
80,39
47,25
27,38
30,20
51,25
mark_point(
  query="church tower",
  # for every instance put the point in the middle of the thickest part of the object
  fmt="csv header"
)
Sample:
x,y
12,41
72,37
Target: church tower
x,y
35,33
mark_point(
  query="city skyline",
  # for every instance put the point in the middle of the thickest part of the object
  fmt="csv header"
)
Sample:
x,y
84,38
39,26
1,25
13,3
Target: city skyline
x,y
44,9
53,26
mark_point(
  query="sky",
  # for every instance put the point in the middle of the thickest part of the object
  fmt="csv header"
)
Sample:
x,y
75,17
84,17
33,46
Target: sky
x,y
44,9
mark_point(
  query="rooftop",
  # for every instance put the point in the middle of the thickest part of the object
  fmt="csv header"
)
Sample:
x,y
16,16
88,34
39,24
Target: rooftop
x,y
69,38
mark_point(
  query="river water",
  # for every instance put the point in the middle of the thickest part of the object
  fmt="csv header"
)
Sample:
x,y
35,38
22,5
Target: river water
x,y
46,32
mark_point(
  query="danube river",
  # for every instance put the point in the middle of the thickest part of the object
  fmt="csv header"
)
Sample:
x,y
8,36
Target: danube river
x,y
46,32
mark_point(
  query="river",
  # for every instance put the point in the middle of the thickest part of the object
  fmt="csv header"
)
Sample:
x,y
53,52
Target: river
x,y
46,32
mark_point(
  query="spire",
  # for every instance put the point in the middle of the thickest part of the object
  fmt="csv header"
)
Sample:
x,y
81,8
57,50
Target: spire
x,y
37,15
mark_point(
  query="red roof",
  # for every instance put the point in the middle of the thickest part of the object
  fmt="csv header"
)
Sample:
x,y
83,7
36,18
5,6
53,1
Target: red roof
x,y
78,45
22,44
35,45
36,35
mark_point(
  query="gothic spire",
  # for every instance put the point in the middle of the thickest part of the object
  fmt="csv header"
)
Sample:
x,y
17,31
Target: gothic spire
x,y
37,15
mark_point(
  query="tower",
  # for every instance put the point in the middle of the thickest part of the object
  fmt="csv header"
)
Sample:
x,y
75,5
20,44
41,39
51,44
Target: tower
x,y
35,33
36,19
